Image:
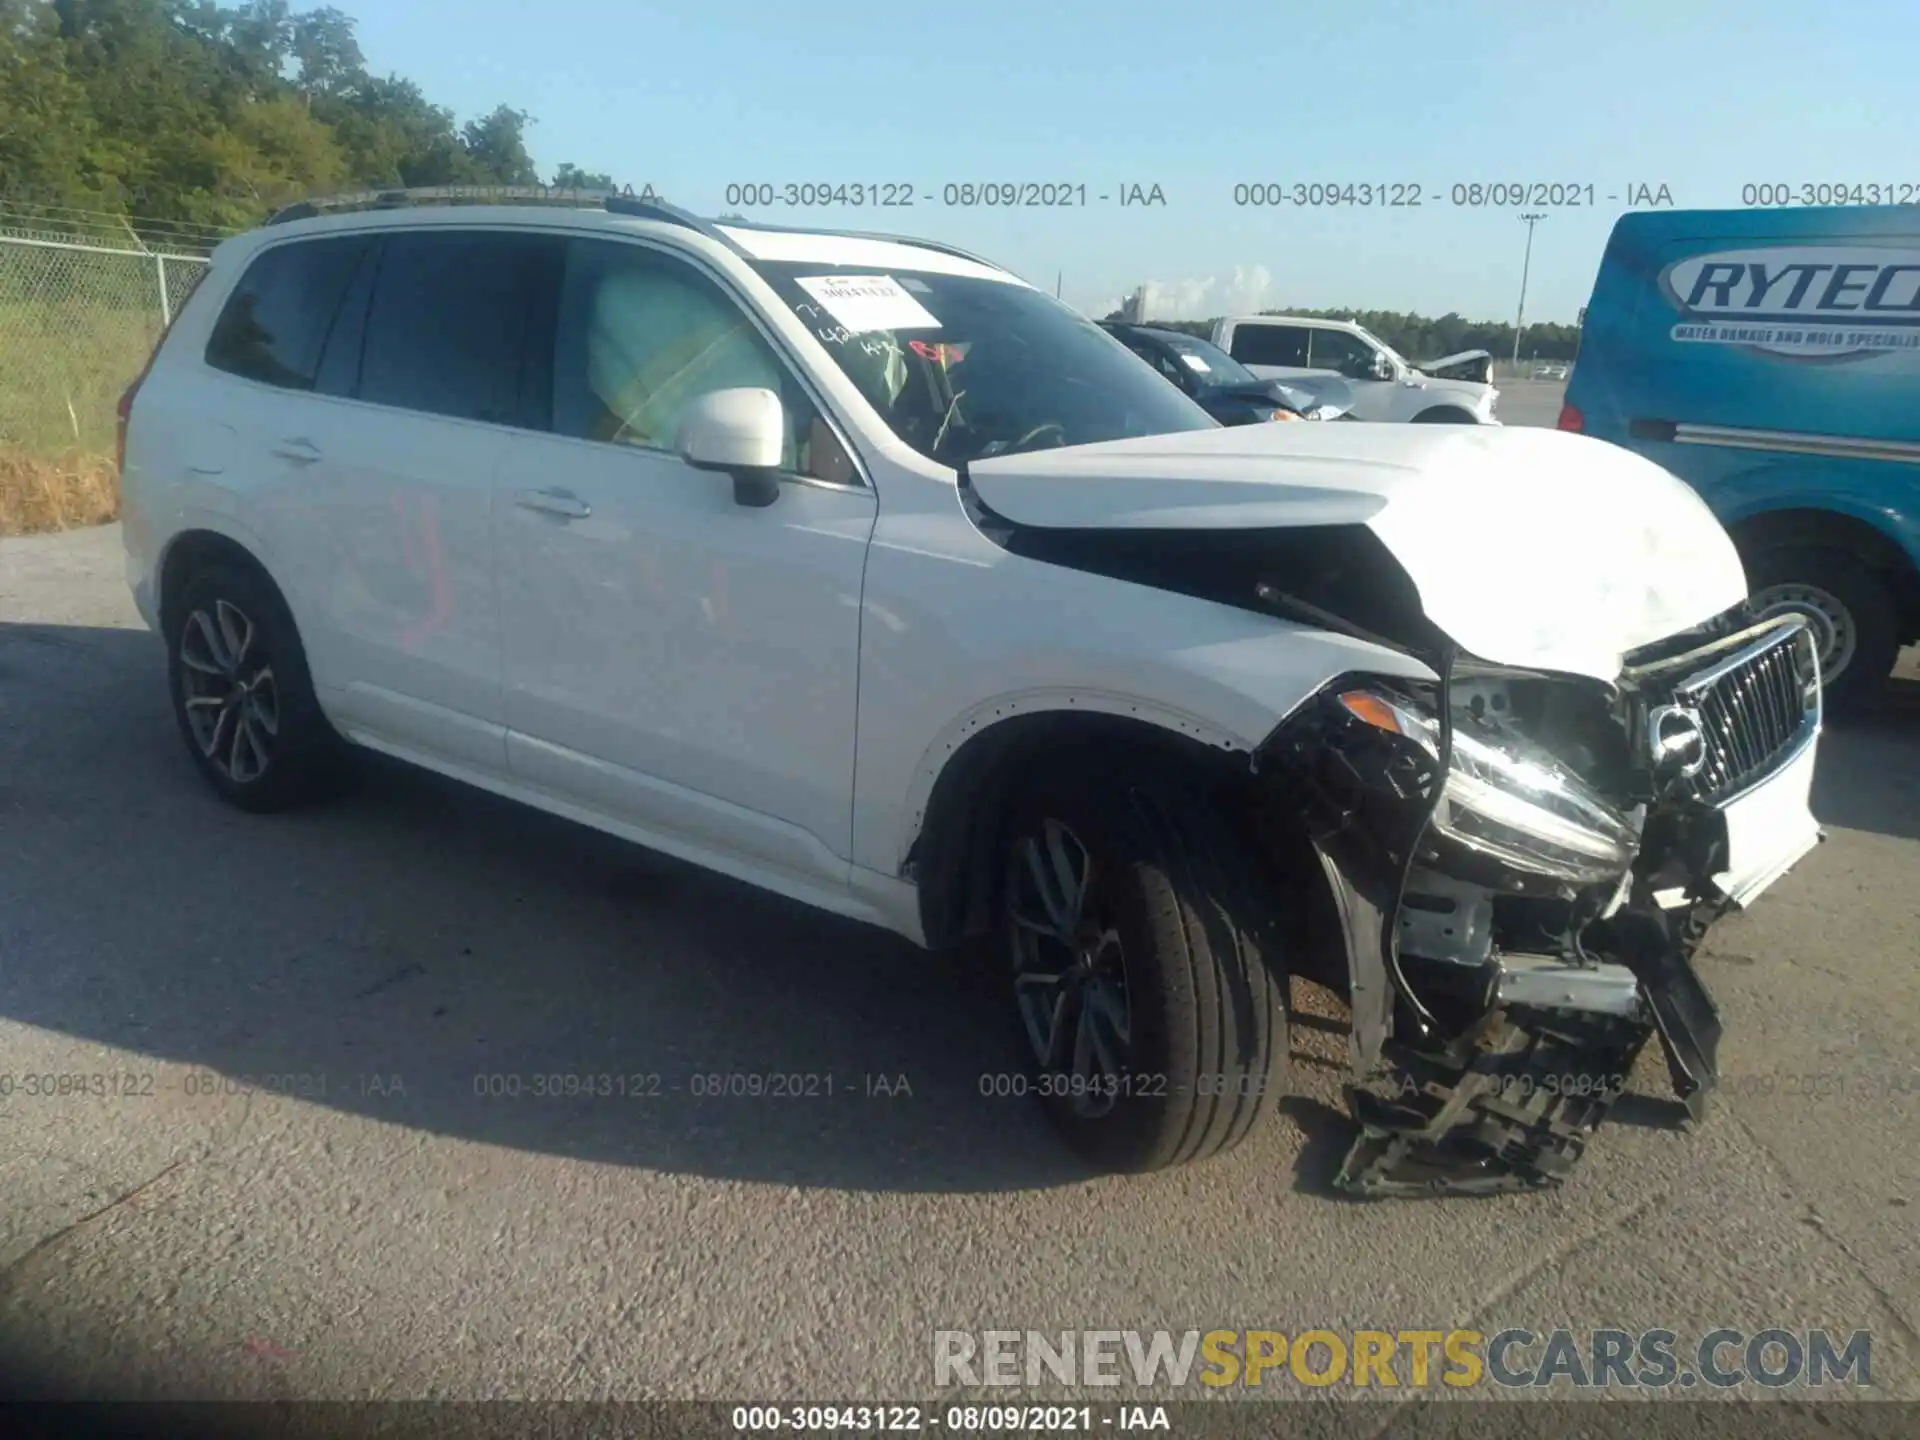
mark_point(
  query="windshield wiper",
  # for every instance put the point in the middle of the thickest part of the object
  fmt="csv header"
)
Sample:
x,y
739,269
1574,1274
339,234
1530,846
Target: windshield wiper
x,y
1294,608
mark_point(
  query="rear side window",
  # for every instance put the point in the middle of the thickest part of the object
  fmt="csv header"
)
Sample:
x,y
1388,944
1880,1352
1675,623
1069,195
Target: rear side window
x,y
1269,345
445,329
274,325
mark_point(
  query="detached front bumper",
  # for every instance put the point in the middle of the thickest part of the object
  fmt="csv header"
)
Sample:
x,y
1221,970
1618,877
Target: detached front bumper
x,y
1539,1039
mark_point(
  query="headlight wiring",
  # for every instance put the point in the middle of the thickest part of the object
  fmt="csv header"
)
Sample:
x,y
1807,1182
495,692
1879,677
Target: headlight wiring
x,y
1390,933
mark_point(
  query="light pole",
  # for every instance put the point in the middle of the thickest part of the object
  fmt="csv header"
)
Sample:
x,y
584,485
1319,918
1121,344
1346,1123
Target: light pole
x,y
1519,318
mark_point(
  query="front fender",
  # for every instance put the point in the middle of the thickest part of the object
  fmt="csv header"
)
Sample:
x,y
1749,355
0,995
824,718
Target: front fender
x,y
936,675
960,631
1053,700
1228,696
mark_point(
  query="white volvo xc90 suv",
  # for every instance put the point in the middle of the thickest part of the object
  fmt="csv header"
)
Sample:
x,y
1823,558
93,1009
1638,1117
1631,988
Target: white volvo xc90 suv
x,y
859,569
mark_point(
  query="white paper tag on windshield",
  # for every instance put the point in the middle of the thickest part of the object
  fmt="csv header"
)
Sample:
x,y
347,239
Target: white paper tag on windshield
x,y
868,302
1194,362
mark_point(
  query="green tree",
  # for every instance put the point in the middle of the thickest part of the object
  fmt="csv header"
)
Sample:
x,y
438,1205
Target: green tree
x,y
391,133
47,132
192,111
571,177
495,148
327,53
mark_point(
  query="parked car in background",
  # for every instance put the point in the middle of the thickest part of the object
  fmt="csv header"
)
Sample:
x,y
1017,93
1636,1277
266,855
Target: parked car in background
x,y
1297,348
1221,385
1550,371
863,571
1771,359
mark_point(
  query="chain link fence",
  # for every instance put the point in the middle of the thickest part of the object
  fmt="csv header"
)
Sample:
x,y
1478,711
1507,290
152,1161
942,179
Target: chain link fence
x,y
77,322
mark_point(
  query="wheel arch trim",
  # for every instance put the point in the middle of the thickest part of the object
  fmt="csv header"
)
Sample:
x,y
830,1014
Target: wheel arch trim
x,y
1873,537
986,718
209,531
956,792
1799,520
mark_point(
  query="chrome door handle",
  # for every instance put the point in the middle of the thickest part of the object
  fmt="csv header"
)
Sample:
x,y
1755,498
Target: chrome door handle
x,y
563,503
300,450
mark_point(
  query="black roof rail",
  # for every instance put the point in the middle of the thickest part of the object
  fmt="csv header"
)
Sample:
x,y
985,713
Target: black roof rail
x,y
641,208
646,206
398,198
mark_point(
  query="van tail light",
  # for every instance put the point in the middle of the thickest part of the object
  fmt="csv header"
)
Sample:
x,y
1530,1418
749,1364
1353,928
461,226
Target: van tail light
x,y
1571,419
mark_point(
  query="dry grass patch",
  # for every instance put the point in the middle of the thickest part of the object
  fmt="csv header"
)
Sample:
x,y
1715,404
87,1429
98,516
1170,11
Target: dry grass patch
x,y
56,493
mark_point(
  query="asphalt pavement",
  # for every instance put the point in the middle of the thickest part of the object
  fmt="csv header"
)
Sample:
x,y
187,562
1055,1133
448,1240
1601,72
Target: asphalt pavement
x,y
1529,402
298,1167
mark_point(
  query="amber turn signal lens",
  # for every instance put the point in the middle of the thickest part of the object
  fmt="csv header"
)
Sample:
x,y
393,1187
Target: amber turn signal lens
x,y
1372,709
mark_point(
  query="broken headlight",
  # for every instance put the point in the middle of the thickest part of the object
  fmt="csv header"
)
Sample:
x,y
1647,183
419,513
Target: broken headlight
x,y
1509,801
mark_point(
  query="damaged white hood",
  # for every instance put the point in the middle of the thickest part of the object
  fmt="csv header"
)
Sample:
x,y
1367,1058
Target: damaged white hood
x,y
1464,367
1528,547
1454,359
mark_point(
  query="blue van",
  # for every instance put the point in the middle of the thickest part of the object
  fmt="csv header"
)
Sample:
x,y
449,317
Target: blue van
x,y
1771,359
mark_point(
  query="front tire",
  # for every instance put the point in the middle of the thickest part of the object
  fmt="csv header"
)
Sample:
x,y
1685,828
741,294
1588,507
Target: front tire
x,y
1150,1013
242,696
1446,415
1849,607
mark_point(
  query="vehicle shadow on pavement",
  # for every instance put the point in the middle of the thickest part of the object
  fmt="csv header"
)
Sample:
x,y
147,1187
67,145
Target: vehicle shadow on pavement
x,y
434,957
431,956
1867,777
1328,1134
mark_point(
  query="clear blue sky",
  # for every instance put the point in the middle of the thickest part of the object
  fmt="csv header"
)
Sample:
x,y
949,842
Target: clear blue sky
x,y
1701,96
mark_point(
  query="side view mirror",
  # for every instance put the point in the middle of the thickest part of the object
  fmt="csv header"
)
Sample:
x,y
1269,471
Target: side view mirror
x,y
742,432
1382,366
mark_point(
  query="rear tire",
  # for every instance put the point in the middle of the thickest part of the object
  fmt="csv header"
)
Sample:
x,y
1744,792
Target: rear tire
x,y
1851,610
1163,1038
1445,415
242,696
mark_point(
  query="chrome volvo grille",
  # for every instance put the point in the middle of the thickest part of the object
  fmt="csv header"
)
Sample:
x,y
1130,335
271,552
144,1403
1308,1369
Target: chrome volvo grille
x,y
1757,703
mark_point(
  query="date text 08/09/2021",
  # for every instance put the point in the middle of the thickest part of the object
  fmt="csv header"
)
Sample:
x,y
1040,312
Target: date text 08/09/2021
x,y
831,1085
1008,1419
317,1085
1263,193
1377,194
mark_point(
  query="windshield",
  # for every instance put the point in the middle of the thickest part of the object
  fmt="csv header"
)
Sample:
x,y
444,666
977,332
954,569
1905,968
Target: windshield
x,y
963,367
1209,363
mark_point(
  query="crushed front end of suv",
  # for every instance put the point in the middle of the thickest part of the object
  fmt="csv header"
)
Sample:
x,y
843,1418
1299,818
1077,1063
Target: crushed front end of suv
x,y
1516,843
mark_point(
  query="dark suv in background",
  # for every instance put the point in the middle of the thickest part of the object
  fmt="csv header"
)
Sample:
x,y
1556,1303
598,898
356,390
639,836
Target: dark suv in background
x,y
1217,382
